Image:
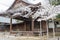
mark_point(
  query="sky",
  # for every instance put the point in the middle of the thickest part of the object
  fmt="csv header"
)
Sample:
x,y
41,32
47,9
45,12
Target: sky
x,y
43,2
5,4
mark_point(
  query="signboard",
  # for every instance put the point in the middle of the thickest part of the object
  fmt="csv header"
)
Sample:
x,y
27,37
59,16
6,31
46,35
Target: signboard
x,y
51,24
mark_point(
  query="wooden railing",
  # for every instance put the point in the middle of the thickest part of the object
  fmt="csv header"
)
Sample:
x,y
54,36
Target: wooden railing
x,y
27,33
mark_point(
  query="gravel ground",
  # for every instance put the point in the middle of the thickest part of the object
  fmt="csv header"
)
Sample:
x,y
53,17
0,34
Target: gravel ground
x,y
7,37
12,37
20,38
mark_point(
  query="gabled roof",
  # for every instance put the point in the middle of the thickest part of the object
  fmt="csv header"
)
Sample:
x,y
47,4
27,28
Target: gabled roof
x,y
44,11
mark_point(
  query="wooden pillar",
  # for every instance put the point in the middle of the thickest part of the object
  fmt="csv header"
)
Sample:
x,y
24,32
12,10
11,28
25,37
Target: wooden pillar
x,y
40,29
10,24
32,27
53,30
25,26
47,30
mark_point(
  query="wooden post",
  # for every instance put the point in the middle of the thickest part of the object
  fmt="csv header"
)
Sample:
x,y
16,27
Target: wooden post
x,y
10,24
25,26
40,29
32,26
53,30
47,30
